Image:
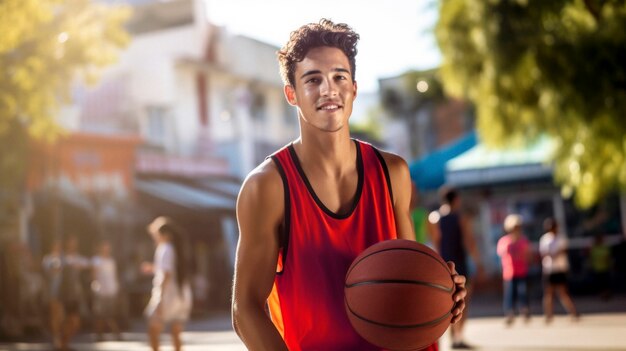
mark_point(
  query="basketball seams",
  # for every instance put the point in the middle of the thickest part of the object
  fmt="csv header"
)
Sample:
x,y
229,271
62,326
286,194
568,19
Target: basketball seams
x,y
400,281
397,248
400,326
403,298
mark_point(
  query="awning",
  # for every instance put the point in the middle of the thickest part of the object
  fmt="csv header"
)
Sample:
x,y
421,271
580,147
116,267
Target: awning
x,y
482,165
195,196
429,172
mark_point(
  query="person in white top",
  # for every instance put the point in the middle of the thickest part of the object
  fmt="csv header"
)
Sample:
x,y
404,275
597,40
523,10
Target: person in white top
x,y
171,300
555,266
105,288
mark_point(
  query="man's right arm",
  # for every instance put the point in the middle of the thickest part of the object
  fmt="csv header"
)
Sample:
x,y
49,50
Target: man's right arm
x,y
260,211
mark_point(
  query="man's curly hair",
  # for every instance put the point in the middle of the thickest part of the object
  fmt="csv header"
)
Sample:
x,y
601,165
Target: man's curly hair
x,y
313,35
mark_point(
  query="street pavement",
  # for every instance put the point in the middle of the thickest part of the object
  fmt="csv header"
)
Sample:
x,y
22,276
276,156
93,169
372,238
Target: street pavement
x,y
602,327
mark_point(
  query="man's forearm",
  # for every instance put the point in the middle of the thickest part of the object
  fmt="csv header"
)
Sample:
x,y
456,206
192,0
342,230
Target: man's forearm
x,y
256,330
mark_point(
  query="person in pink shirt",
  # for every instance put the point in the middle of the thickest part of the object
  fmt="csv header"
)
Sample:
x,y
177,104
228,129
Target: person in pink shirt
x,y
514,251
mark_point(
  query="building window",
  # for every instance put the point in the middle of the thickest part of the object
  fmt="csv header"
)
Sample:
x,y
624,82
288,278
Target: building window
x,y
156,124
258,106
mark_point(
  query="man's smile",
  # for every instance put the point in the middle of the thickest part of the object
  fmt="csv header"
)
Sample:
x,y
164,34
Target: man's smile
x,y
329,106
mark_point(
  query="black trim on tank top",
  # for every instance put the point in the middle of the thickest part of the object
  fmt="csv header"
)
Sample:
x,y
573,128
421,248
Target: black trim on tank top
x,y
320,204
386,170
284,234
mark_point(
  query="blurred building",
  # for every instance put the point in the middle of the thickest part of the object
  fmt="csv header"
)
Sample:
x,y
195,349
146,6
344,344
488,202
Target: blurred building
x,y
420,119
171,129
436,135
497,182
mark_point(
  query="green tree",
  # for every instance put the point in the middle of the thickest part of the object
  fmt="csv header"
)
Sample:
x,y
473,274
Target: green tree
x,y
46,46
536,67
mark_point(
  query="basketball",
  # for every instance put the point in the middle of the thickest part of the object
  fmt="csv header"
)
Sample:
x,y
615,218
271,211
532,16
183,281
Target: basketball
x,y
398,295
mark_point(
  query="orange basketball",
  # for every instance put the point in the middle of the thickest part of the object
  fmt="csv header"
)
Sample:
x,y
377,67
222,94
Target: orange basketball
x,y
398,295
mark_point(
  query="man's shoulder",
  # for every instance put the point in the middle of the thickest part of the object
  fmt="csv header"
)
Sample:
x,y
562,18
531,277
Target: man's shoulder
x,y
264,180
395,163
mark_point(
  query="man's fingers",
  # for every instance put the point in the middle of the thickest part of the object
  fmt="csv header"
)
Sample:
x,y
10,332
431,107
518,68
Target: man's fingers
x,y
457,311
459,279
459,294
452,267
458,308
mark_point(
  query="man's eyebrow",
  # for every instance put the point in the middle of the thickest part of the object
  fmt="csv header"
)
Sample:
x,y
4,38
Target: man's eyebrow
x,y
308,73
316,71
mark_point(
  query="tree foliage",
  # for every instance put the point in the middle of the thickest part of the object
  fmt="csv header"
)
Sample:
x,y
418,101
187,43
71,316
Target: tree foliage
x,y
536,67
45,46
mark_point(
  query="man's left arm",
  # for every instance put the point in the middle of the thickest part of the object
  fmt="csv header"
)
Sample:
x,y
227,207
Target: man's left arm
x,y
401,188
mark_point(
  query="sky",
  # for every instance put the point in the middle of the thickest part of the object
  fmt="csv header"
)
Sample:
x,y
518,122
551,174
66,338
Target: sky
x,y
396,35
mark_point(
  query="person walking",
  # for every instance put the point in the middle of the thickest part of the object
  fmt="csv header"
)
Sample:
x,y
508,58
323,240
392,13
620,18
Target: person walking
x,y
514,251
312,207
171,299
105,288
555,267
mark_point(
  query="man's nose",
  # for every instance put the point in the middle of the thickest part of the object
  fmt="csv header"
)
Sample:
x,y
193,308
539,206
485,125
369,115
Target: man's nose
x,y
328,87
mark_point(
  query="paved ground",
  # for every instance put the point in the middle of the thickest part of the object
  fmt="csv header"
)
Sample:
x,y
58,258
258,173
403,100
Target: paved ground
x,y
601,327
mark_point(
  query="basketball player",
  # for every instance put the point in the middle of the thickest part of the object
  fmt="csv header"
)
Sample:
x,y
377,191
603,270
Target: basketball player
x,y
307,211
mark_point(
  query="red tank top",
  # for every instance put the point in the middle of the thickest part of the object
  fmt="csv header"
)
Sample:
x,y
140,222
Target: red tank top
x,y
307,301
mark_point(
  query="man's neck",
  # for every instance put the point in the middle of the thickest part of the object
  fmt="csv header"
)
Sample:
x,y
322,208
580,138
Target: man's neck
x,y
332,153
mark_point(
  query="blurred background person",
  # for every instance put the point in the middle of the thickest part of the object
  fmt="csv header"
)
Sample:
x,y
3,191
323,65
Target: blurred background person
x,y
454,240
419,214
171,299
52,263
63,268
601,261
514,251
33,297
72,295
555,267
105,289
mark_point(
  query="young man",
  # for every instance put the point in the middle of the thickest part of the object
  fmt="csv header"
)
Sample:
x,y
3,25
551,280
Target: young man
x,y
305,213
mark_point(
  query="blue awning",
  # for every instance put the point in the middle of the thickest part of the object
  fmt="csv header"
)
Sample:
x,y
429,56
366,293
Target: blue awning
x,y
429,172
483,165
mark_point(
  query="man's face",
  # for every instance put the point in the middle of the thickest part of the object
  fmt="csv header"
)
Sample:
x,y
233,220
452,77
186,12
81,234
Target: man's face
x,y
324,90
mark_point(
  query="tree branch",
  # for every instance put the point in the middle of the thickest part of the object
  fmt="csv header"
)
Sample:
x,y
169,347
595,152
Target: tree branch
x,y
592,9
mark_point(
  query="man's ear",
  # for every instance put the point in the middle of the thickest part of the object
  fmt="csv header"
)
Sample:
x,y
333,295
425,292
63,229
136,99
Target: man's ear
x,y
290,95
355,89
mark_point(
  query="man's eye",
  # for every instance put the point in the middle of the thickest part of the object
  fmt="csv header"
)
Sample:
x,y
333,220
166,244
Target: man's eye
x,y
312,80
